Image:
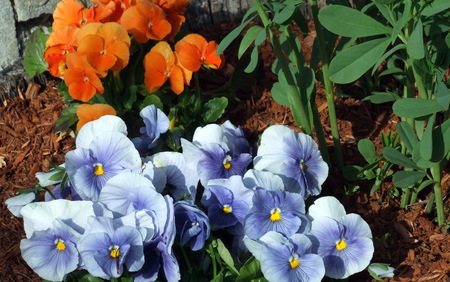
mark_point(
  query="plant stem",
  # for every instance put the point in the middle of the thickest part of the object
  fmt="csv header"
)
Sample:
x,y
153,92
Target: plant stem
x,y
319,131
437,176
298,108
328,86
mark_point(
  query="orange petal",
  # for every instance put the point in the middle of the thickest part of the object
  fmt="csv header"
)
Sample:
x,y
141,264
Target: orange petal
x,y
188,55
135,24
66,35
122,53
211,59
67,13
54,56
113,31
88,29
155,71
177,80
87,113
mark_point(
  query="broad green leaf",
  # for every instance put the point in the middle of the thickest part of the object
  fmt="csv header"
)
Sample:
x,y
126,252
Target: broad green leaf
x,y
151,99
33,57
426,143
218,278
417,158
415,107
425,184
285,14
404,179
214,108
435,7
232,36
225,255
387,54
390,71
407,134
443,95
279,94
415,46
367,150
248,39
384,2
57,176
402,21
250,270
306,82
66,119
352,172
381,97
349,22
395,157
253,61
352,63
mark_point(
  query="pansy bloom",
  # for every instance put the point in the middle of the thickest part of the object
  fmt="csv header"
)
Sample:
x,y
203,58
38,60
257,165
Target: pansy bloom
x,y
344,241
286,259
51,253
109,247
192,225
87,113
106,46
279,211
72,13
161,65
81,78
293,156
194,51
60,43
174,10
145,21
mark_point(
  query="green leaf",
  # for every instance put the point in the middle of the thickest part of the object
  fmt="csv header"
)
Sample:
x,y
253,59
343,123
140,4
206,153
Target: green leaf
x,y
435,7
253,61
407,134
443,95
426,143
415,47
384,2
395,157
404,179
67,118
214,108
248,39
57,176
384,57
232,36
151,100
416,107
130,97
417,158
402,21
225,255
349,22
285,14
33,57
381,97
353,62
250,270
279,94
367,150
352,172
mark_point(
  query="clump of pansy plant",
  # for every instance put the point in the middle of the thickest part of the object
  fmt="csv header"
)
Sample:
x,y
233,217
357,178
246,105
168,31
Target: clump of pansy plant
x,y
122,207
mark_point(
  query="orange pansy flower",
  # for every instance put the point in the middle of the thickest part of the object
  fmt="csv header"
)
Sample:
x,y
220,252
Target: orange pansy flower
x,y
146,21
194,51
174,10
106,46
81,78
87,113
161,65
116,8
72,13
59,44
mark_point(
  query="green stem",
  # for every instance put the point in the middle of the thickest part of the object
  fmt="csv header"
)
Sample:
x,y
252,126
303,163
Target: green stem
x,y
299,58
319,131
405,198
186,259
298,108
328,86
437,176
213,259
430,204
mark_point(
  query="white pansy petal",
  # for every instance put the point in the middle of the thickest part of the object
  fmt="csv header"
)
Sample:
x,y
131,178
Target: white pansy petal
x,y
327,207
211,133
95,128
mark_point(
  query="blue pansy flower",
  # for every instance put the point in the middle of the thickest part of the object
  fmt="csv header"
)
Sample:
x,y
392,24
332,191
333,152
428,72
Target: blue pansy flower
x,y
181,179
279,211
51,253
344,241
109,246
107,155
192,225
228,201
295,157
156,123
286,259
16,203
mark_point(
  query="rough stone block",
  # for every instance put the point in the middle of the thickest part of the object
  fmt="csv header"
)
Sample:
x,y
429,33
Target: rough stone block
x,y
29,9
9,48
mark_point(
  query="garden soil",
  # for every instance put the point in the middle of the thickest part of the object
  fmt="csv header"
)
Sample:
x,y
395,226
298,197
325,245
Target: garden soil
x,y
407,239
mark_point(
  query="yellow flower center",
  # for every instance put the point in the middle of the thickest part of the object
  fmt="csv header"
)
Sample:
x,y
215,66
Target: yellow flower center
x,y
114,251
341,245
62,66
98,169
227,209
60,246
275,214
293,262
226,162
303,166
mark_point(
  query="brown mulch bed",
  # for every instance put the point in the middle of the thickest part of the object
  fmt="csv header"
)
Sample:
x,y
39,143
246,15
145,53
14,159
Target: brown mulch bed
x,y
413,244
